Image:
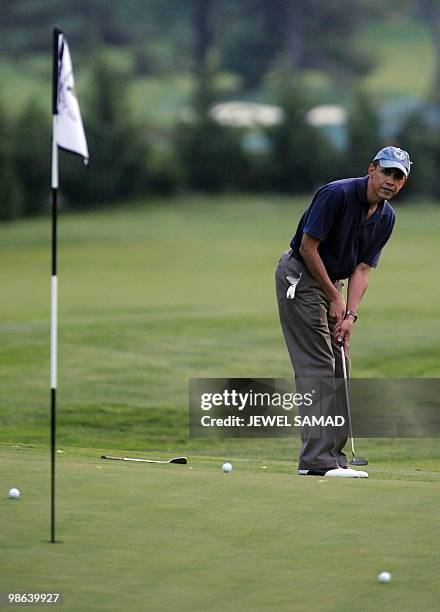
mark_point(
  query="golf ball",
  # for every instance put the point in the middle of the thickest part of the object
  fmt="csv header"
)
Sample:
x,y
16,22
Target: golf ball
x,y
14,493
384,577
227,467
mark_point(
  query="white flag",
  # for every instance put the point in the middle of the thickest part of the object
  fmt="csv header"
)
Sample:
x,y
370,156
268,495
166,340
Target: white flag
x,y
68,127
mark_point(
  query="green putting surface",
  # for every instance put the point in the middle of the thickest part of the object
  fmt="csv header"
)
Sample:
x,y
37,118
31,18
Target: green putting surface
x,y
175,537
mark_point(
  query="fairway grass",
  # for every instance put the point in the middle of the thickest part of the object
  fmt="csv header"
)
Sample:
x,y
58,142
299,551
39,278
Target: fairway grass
x,y
170,537
152,295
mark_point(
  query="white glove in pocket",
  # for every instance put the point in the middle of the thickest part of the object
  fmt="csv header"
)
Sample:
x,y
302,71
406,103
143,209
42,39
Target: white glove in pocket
x,y
293,285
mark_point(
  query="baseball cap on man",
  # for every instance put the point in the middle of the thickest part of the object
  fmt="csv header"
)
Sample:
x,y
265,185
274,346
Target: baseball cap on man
x,y
392,157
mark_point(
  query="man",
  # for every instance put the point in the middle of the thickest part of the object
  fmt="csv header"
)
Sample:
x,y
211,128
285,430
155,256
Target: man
x,y
339,236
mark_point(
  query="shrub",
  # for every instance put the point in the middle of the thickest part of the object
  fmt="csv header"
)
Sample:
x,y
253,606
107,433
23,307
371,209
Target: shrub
x,y
32,158
11,195
420,135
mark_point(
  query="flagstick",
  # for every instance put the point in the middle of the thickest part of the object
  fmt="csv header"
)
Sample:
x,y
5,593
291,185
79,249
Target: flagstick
x,y
54,291
68,133
53,355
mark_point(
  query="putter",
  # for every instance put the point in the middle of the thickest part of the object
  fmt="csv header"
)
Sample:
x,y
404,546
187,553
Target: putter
x,y
353,461
182,460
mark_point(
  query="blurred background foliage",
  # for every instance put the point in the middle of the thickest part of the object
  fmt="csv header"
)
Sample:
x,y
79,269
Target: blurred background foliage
x,y
325,83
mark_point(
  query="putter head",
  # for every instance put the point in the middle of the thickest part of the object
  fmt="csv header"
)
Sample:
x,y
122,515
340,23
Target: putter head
x,y
359,461
179,460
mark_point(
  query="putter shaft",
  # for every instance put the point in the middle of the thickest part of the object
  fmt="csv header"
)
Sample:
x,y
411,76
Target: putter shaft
x,y
354,461
181,460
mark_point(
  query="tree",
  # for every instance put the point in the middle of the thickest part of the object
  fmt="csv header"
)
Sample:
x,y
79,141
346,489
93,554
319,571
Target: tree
x,y
26,26
311,35
302,156
11,200
32,153
211,154
422,139
430,12
248,35
362,132
118,145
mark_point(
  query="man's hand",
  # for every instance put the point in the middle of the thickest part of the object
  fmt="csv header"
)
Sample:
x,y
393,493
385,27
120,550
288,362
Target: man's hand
x,y
337,312
310,254
345,332
357,285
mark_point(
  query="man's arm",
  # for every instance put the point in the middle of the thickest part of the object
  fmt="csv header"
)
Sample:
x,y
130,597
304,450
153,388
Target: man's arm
x,y
309,252
357,285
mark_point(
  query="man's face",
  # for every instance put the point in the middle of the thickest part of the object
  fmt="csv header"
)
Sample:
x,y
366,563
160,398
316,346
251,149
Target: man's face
x,y
385,183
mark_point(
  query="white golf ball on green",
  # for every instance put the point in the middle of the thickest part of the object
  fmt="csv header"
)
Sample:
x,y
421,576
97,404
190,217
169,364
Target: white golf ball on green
x,y
384,577
14,493
227,467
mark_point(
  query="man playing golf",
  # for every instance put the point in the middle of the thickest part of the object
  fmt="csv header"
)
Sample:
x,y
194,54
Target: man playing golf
x,y
340,236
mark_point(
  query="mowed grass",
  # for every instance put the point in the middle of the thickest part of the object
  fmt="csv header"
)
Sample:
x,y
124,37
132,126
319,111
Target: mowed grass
x,y
154,294
151,295
386,40
169,537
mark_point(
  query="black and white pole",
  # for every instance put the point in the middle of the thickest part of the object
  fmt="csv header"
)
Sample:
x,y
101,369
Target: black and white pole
x,y
54,286
67,133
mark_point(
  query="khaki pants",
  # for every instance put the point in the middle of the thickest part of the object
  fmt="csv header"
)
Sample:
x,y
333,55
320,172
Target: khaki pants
x,y
314,353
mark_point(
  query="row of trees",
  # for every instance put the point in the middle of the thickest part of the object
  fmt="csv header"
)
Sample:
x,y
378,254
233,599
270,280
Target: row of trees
x,y
245,37
130,160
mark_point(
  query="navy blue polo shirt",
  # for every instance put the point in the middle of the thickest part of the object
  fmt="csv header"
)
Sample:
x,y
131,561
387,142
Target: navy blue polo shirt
x,y
337,216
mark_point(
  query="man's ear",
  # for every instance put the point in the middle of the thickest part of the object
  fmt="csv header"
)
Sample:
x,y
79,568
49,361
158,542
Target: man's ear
x,y
371,169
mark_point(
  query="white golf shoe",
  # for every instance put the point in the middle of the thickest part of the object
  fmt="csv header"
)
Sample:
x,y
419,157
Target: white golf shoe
x,y
346,473
335,473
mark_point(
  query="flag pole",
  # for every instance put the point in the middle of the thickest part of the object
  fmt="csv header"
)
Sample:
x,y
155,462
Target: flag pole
x,y
54,287
67,133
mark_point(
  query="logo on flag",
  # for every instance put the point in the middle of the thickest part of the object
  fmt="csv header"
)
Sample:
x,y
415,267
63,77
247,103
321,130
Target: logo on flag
x,y
68,126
